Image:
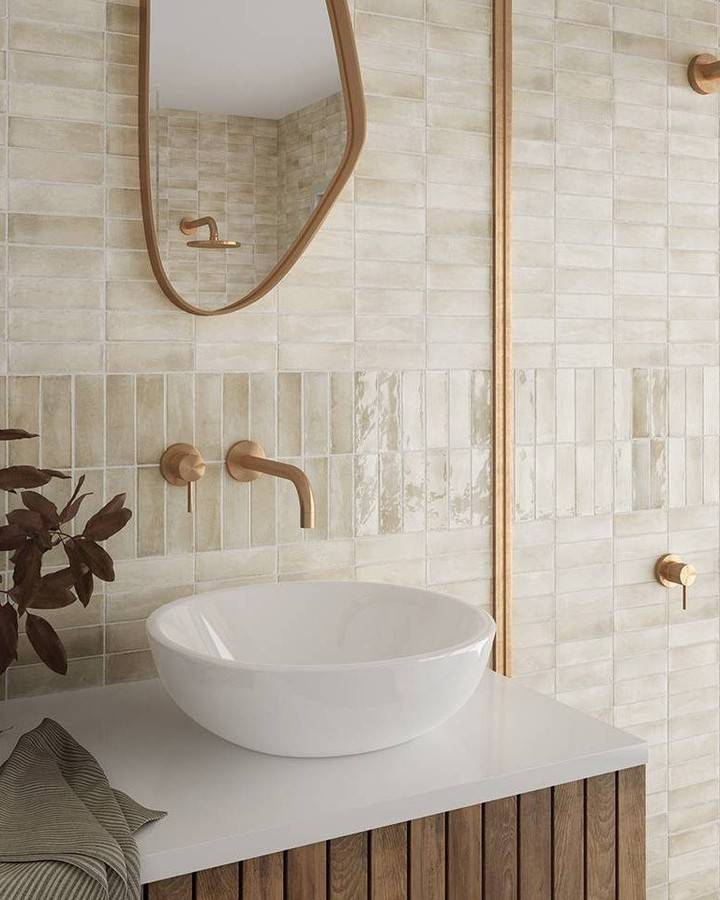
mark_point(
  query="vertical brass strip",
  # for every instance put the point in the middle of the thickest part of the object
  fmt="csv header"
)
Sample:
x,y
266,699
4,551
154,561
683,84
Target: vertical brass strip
x,y
502,347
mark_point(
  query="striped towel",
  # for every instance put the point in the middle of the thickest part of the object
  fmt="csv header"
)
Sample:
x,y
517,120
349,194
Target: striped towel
x,y
65,834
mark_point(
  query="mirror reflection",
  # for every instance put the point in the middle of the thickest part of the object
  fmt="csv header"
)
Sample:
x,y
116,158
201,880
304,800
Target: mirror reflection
x,y
247,130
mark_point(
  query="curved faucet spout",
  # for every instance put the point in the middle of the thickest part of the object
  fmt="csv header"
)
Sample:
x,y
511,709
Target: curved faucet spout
x,y
246,461
291,473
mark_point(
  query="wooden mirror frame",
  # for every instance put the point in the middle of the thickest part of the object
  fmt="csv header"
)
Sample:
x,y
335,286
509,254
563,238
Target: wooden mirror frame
x,y
352,88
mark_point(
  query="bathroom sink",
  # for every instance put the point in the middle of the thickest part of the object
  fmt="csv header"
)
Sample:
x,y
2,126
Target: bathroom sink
x,y
320,668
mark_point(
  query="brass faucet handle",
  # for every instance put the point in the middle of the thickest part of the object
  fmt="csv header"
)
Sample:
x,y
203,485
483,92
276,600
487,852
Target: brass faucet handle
x,y
671,570
704,73
182,465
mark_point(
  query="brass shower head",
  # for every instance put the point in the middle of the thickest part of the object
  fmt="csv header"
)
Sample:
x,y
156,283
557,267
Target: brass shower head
x,y
190,226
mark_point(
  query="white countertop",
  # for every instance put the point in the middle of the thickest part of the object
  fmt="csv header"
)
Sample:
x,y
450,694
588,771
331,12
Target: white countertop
x,y
226,804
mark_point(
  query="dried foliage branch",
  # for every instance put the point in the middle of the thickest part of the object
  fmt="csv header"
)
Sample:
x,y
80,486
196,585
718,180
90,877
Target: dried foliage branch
x,y
31,531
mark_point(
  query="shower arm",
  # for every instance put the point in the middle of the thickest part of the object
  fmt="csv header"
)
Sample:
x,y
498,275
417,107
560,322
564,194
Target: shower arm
x,y
190,226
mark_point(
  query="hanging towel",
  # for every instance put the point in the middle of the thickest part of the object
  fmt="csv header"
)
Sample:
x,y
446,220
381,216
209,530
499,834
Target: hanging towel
x,y
65,834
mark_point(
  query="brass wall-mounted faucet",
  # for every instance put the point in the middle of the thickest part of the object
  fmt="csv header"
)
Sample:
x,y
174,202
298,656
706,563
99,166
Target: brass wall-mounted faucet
x,y
182,465
246,461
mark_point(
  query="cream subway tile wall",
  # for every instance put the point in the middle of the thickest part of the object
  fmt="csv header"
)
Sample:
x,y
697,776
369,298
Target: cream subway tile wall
x,y
368,365
616,255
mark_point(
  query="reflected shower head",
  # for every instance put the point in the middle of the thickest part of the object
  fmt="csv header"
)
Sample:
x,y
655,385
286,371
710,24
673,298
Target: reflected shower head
x,y
190,226
216,244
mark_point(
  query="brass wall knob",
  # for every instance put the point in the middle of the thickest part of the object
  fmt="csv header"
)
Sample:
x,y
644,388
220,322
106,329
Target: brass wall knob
x,y
671,570
182,465
704,73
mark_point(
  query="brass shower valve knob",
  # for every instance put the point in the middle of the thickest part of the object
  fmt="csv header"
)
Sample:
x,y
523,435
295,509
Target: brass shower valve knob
x,y
704,73
670,570
182,465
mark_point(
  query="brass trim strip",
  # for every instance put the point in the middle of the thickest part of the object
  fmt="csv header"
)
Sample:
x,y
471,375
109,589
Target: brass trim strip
x,y
502,337
351,80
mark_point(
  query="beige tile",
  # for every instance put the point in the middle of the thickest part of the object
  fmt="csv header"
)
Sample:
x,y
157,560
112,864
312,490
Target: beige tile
x,y
149,410
120,420
55,422
85,13
40,37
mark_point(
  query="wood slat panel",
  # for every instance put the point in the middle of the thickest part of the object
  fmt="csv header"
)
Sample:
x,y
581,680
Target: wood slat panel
x,y
631,834
388,863
600,837
427,858
348,864
222,883
500,850
305,875
263,878
464,854
569,839
535,844
179,888
582,839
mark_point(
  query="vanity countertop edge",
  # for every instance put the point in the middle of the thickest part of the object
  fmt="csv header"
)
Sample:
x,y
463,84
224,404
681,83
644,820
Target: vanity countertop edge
x,y
226,804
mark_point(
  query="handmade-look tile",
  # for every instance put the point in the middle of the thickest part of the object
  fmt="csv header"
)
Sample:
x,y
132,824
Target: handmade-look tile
x,y
615,257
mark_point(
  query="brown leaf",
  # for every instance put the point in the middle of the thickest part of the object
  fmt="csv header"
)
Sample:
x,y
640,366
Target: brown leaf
x,y
26,561
96,559
88,586
27,519
81,482
56,473
82,577
22,477
71,509
42,505
46,643
26,575
69,512
12,537
60,578
100,528
8,635
14,434
117,502
54,590
51,598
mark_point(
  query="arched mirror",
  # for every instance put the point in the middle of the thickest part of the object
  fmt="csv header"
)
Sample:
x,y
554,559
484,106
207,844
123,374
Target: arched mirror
x,y
252,118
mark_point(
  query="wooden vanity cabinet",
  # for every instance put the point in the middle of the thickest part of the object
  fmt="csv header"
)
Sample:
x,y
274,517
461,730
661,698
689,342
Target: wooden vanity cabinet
x,y
584,840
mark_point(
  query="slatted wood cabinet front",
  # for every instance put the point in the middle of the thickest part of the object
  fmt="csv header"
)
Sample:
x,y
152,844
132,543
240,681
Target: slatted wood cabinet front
x,y
584,840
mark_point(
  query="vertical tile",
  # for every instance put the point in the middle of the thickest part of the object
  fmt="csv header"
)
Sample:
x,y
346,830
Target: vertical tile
x,y
89,420
341,413
24,412
55,419
315,413
179,402
120,437
150,512
290,413
208,416
150,416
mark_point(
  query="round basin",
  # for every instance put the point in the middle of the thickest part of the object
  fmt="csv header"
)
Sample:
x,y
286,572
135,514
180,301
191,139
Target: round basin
x,y
320,668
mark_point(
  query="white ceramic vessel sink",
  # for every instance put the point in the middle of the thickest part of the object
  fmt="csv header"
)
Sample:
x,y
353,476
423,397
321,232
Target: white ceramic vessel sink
x,y
320,668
